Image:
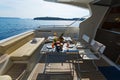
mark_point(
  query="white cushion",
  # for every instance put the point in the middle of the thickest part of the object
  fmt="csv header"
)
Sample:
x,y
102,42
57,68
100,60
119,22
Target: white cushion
x,y
102,49
85,38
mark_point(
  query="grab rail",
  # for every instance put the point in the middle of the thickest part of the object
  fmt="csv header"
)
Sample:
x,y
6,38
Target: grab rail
x,y
21,75
69,25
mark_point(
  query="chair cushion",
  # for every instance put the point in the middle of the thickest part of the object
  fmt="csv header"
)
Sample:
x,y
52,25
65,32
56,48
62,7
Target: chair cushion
x,y
96,46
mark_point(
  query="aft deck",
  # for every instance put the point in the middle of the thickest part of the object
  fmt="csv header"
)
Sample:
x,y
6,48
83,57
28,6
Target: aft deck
x,y
43,63
67,65
60,71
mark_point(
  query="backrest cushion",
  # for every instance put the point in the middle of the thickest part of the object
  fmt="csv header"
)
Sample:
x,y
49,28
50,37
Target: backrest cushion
x,y
85,38
101,50
92,42
95,45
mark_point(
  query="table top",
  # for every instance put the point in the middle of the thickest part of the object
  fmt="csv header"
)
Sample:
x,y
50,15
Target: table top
x,y
48,48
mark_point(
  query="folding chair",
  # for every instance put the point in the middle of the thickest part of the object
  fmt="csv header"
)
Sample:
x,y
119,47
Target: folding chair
x,y
88,54
84,42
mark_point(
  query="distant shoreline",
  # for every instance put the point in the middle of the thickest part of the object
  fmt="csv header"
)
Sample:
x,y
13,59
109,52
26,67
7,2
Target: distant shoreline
x,y
57,18
48,18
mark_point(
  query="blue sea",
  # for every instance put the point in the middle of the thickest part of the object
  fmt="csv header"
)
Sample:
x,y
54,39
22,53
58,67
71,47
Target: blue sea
x,y
11,27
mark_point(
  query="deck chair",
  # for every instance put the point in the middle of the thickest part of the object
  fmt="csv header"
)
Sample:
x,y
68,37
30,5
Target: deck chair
x,y
91,55
84,42
95,45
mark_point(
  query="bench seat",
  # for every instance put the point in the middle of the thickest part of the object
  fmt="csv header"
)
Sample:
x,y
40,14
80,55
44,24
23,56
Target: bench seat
x,y
25,51
10,45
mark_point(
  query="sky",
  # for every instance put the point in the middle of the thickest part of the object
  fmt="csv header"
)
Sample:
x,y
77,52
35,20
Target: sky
x,y
39,8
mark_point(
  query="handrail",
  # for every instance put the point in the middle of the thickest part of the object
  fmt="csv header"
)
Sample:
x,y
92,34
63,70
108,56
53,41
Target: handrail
x,y
53,25
21,75
86,16
78,20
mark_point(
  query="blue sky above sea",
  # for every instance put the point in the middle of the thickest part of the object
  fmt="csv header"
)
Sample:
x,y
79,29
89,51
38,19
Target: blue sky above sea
x,y
39,8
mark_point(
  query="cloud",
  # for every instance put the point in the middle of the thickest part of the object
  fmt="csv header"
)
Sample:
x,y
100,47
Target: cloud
x,y
34,8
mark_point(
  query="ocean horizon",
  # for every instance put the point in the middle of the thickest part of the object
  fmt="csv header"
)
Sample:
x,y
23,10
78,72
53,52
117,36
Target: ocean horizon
x,y
10,27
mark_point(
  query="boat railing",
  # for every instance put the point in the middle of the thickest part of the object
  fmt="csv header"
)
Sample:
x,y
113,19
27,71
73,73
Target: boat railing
x,y
69,30
20,77
48,30
51,27
69,25
41,26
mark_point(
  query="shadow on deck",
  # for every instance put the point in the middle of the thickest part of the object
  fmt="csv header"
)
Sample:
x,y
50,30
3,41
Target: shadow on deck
x,y
86,70
55,76
59,58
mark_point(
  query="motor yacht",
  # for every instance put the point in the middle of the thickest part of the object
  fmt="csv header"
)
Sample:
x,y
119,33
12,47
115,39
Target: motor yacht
x,y
93,52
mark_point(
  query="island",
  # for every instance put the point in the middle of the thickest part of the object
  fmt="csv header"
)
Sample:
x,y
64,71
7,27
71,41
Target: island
x,y
57,18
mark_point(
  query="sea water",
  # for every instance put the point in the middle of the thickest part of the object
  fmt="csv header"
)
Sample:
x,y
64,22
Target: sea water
x,y
10,27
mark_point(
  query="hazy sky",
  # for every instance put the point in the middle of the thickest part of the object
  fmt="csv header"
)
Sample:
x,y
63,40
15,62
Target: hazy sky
x,y
35,8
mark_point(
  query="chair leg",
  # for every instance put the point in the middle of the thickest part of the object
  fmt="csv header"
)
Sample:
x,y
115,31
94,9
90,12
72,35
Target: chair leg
x,y
95,65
